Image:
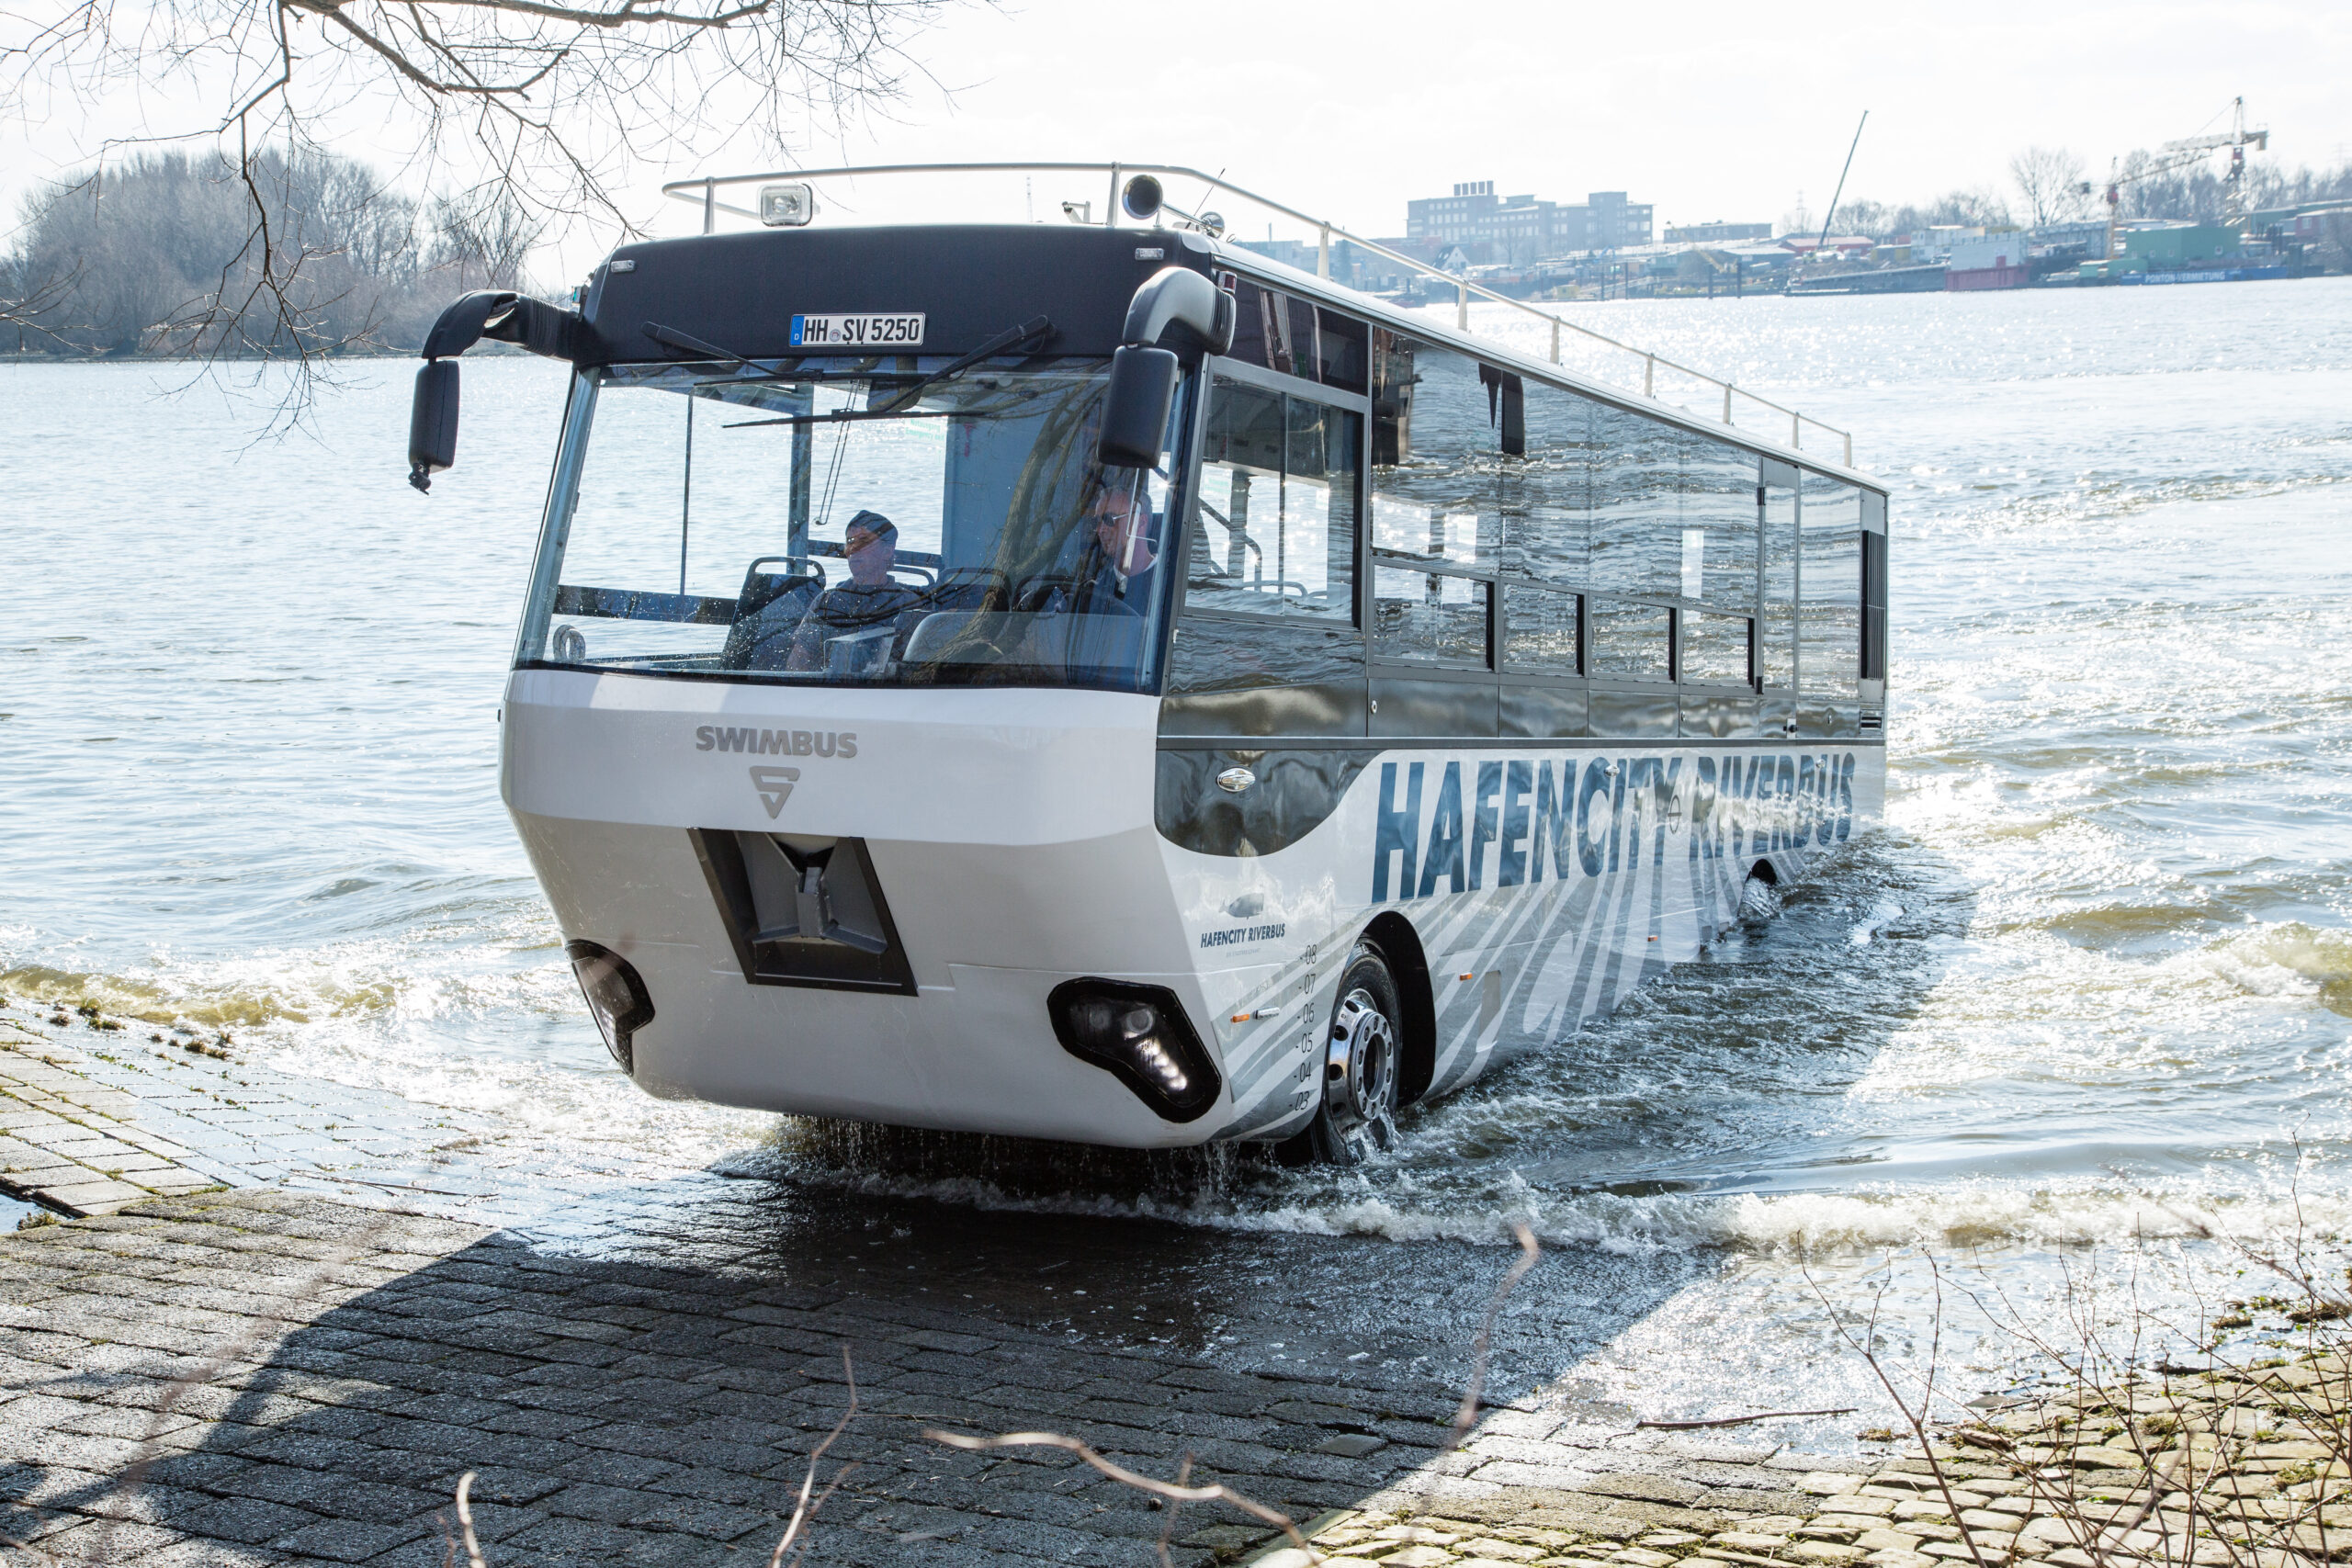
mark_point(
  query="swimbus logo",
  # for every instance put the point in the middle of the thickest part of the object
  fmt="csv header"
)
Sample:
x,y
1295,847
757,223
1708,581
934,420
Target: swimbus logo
x,y
842,744
1597,818
774,786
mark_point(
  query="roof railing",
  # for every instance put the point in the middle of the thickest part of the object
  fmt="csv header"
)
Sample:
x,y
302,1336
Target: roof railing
x,y
703,191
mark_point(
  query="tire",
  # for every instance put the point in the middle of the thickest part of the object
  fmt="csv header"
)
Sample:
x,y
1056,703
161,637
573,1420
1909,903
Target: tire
x,y
1364,1052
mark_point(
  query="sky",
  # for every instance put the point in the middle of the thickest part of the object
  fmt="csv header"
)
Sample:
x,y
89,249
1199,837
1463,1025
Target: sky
x,y
1706,110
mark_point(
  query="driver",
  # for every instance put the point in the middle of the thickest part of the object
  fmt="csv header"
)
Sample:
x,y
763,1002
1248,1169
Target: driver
x,y
1120,556
868,601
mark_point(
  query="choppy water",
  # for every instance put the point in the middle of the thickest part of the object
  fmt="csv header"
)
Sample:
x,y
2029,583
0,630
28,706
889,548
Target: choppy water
x,y
248,776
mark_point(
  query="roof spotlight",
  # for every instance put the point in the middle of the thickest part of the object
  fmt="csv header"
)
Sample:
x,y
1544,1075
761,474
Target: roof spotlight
x,y
787,206
1212,224
1141,198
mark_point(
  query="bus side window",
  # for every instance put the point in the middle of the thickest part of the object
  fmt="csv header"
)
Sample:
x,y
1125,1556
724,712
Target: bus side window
x,y
1276,534
1829,615
1268,643
1293,336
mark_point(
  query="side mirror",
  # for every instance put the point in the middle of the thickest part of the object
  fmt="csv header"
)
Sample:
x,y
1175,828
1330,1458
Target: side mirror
x,y
1135,408
433,422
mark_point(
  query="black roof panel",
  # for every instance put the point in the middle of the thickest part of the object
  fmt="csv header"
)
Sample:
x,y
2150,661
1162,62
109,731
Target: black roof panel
x,y
739,291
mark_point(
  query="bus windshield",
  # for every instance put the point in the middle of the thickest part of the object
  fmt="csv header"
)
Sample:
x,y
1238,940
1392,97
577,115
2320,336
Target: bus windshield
x,y
867,521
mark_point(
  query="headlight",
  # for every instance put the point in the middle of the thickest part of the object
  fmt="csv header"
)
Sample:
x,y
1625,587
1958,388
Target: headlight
x,y
616,996
1139,1035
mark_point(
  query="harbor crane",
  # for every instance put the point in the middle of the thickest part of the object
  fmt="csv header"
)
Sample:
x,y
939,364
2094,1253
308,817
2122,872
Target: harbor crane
x,y
2187,152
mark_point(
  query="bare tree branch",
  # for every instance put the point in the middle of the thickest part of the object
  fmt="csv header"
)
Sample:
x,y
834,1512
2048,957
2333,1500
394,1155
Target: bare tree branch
x,y
1467,1415
535,110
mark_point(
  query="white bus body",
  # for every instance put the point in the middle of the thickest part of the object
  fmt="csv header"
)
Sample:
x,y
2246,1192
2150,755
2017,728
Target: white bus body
x,y
893,748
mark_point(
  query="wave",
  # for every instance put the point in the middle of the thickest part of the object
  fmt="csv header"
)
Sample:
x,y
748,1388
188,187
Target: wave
x,y
2288,959
1398,1205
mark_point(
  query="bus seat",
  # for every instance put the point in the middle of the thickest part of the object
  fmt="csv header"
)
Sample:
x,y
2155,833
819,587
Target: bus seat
x,y
768,614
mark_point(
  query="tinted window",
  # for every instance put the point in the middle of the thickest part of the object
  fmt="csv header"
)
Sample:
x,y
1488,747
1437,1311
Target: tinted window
x,y
1276,534
1632,642
1540,628
1715,648
1717,519
1282,331
1436,471
1548,500
1637,541
1830,637
1776,634
1423,616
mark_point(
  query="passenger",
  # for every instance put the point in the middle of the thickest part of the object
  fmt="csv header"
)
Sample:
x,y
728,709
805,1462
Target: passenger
x,y
868,602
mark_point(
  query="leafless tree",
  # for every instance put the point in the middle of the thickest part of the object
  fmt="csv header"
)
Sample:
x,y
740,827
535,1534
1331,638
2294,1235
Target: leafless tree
x,y
36,303
534,110
2053,183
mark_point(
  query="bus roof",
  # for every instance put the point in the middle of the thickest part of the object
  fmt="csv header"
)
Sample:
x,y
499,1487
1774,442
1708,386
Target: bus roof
x,y
736,295
1123,211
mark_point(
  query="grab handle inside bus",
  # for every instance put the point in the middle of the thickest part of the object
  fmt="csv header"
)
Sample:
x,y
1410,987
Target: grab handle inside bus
x,y
1135,408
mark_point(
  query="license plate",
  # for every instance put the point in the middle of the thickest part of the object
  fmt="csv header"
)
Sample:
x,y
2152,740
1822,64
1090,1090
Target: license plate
x,y
885,330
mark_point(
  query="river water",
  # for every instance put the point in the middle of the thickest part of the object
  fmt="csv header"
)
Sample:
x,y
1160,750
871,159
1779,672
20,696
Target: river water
x,y
2093,985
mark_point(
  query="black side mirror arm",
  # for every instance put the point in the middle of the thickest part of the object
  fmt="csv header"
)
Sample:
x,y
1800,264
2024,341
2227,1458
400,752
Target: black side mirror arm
x,y
502,316
1144,375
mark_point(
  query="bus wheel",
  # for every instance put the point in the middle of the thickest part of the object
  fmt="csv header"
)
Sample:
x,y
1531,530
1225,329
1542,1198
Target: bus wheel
x,y
1362,1053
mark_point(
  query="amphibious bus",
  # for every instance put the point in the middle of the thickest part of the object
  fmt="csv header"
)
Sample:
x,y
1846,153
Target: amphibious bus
x,y
1092,681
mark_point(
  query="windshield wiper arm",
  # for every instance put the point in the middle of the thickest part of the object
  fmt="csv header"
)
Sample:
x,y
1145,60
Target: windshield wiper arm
x,y
896,405
1029,331
670,337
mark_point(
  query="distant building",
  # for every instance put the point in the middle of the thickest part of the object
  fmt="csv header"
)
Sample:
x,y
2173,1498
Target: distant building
x,y
1989,261
2180,244
2309,221
1516,230
1717,233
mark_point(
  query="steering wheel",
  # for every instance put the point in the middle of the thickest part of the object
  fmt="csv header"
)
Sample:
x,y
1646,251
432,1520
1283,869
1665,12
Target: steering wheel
x,y
1032,594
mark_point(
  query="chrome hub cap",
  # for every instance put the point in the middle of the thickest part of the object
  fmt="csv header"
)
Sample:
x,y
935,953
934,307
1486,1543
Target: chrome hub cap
x,y
1360,1071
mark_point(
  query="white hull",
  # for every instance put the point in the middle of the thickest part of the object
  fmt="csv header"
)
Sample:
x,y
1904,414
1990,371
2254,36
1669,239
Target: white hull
x,y
1013,834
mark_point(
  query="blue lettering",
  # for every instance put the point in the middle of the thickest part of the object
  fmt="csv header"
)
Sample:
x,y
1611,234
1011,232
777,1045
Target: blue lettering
x,y
1444,851
1666,776
1846,798
1703,811
1617,772
1482,818
1398,831
1595,783
1510,860
1555,817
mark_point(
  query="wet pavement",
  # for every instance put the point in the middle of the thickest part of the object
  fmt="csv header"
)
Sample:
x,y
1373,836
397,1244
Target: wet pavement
x,y
264,1376
319,1305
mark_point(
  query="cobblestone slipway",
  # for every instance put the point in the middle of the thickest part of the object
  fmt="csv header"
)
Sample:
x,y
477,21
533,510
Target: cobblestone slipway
x,y
231,1361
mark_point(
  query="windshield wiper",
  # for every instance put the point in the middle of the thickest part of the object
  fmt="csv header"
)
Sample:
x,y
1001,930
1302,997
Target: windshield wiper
x,y
1027,332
